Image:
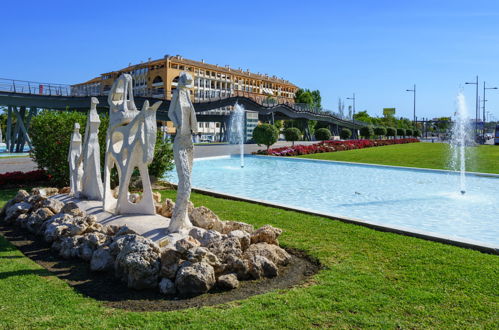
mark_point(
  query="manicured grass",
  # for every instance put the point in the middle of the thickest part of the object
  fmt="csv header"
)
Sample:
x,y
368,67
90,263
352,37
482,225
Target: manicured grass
x,y
371,279
483,158
8,157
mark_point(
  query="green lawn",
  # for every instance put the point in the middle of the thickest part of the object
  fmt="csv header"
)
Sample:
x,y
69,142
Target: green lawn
x,y
483,158
371,279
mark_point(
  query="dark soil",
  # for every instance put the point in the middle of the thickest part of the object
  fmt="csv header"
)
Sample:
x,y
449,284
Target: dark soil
x,y
111,292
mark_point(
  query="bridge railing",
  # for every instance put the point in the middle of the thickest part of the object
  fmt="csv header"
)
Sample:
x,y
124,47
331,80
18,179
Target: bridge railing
x,y
33,87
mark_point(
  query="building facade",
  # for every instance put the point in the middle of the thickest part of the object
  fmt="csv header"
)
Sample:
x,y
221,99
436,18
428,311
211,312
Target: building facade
x,y
159,78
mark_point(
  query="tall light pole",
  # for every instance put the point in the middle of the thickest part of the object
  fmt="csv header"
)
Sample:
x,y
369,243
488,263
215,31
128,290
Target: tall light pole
x,y
484,100
414,92
476,104
353,114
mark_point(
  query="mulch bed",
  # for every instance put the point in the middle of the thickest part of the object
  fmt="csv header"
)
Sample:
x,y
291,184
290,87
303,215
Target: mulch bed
x,y
111,292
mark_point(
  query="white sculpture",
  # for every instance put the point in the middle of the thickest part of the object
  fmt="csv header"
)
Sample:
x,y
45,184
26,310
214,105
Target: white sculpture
x,y
183,116
75,170
131,138
91,181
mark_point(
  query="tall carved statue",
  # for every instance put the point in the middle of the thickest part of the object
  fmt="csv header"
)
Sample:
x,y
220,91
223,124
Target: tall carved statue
x,y
91,182
131,138
75,170
183,116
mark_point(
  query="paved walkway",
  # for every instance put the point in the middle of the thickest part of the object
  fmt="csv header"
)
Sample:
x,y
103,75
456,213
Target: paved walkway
x,y
25,164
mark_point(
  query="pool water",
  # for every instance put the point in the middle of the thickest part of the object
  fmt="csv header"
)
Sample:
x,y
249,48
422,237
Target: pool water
x,y
413,199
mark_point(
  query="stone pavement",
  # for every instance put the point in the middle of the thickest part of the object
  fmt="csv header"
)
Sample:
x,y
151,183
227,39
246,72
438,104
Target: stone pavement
x,y
23,164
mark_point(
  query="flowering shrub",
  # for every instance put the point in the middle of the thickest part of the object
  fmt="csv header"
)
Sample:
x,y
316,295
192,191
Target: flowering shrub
x,y
331,146
23,177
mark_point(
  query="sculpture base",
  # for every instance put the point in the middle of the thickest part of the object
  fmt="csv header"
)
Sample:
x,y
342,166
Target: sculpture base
x,y
153,227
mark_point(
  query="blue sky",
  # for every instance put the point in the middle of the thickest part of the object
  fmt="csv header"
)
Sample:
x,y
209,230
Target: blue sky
x,y
377,49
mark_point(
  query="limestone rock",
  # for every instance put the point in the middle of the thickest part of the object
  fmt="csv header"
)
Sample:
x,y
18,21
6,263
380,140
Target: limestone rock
x,y
123,230
167,287
267,234
205,237
15,210
52,228
272,252
85,250
156,196
134,198
262,267
68,247
158,207
170,261
227,248
21,220
229,226
21,196
45,192
102,260
36,202
193,279
204,218
53,204
138,261
201,254
167,208
97,239
185,244
242,236
228,282
37,218
72,208
236,265
65,190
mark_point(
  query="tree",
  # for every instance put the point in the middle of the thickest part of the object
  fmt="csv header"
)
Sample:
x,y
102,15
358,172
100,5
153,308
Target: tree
x,y
391,131
345,133
400,132
316,95
303,96
279,124
363,116
306,96
323,134
408,132
265,134
367,131
380,131
416,133
292,134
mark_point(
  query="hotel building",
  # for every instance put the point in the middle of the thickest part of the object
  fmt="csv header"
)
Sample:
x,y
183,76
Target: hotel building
x,y
159,78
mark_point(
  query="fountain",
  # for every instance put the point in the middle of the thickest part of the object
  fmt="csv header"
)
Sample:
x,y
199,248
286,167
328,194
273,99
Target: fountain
x,y
236,130
461,138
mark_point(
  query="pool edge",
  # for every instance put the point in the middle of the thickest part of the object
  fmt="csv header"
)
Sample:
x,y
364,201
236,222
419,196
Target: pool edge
x,y
468,244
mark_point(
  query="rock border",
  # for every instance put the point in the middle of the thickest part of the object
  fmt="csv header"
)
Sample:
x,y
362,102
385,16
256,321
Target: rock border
x,y
215,255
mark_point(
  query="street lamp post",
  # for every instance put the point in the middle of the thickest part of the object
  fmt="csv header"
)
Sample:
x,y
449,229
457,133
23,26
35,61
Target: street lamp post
x,y
484,100
414,109
476,104
353,114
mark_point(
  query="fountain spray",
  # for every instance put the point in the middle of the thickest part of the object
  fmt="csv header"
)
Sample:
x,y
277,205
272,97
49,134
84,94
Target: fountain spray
x,y
461,137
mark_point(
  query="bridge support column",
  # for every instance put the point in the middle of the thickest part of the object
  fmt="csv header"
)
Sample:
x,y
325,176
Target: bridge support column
x,y
8,129
17,137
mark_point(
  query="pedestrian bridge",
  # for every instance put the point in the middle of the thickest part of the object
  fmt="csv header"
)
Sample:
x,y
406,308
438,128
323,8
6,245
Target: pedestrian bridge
x,y
25,98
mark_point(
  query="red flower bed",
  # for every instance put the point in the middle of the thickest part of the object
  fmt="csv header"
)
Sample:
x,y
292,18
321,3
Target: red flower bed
x,y
331,146
23,177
